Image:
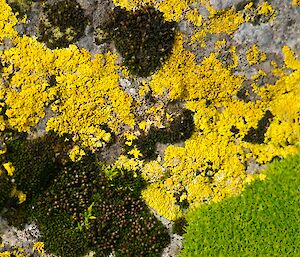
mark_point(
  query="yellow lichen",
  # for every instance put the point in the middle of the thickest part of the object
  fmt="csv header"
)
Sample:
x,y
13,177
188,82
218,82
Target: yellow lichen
x,y
296,2
21,196
39,247
265,9
255,56
123,162
183,79
76,153
8,166
135,153
221,22
161,201
7,22
194,17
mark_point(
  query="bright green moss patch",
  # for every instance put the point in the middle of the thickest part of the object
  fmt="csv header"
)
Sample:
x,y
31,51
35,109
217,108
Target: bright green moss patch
x,y
263,221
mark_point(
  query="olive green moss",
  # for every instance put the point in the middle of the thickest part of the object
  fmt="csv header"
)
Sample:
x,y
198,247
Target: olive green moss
x,y
62,23
143,38
121,220
263,221
20,6
5,189
35,162
78,206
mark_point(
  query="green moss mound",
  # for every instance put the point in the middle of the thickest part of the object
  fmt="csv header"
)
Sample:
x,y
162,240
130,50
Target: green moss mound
x,y
35,162
263,221
143,38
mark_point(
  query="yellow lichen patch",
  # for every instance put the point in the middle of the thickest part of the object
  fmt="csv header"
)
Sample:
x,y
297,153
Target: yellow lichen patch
x,y
296,2
39,247
123,162
76,153
172,9
265,9
194,17
235,58
161,201
284,99
8,166
28,65
255,56
135,153
7,22
221,22
153,171
21,196
198,191
290,59
183,79
18,194
129,137
219,44
90,97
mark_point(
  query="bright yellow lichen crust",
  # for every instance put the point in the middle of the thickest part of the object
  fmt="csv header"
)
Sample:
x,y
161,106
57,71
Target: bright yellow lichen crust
x,y
16,252
83,93
254,56
296,2
7,22
39,247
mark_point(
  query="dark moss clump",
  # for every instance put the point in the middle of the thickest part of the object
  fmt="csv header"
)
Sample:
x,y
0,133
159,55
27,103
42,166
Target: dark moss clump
x,y
257,135
5,188
180,129
143,38
34,161
62,23
124,223
20,6
121,221
179,226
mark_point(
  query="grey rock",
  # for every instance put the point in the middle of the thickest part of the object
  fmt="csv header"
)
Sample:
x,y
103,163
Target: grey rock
x,y
224,4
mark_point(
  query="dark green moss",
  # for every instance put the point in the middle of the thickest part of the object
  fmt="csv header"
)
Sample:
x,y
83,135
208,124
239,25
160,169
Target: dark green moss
x,y
143,38
20,6
63,23
179,226
122,218
180,129
34,161
257,135
5,188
